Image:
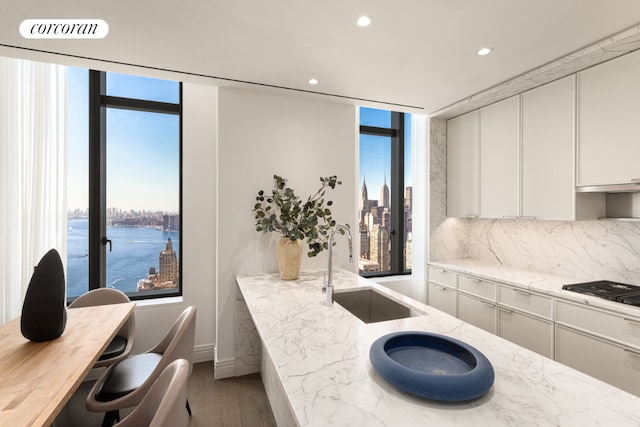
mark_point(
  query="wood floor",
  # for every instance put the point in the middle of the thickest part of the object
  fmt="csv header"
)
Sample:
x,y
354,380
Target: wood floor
x,y
229,402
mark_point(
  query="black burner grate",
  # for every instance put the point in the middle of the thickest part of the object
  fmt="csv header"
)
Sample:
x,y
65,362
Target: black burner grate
x,y
612,291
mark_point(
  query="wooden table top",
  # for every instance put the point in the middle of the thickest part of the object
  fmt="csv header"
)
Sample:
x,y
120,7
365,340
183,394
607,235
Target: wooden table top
x,y
37,379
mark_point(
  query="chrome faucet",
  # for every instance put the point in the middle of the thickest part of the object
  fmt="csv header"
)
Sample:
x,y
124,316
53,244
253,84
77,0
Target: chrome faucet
x,y
328,288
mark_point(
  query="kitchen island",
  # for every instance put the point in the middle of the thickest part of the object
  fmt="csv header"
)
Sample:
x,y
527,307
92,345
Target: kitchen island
x,y
316,368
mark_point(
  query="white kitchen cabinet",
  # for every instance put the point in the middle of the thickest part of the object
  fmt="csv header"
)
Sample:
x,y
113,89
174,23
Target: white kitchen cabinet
x,y
462,165
613,363
530,332
443,277
526,301
600,343
608,125
607,325
548,112
442,297
477,311
499,159
478,287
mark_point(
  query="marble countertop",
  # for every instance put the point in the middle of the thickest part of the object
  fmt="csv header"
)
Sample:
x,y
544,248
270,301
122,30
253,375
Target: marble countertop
x,y
534,281
321,356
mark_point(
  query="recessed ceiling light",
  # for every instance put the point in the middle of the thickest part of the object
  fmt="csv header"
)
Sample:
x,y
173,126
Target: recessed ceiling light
x,y
364,21
484,51
313,81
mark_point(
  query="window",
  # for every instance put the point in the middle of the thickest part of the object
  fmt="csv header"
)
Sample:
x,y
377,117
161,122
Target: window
x,y
124,192
385,193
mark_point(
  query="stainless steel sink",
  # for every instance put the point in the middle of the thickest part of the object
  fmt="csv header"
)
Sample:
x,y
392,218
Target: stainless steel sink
x,y
370,306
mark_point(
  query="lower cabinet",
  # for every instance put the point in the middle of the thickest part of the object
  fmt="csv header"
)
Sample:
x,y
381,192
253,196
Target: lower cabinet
x,y
477,312
528,331
601,343
610,362
442,298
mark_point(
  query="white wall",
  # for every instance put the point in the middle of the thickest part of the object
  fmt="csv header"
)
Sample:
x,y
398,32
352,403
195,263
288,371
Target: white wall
x,y
154,317
262,134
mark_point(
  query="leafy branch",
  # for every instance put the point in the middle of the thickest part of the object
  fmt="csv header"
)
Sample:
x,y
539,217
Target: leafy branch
x,y
284,212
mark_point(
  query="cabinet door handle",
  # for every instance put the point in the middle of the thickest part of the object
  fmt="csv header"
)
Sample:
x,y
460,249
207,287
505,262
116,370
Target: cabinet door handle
x,y
488,304
527,217
471,216
632,352
633,321
506,310
635,181
473,279
520,291
509,216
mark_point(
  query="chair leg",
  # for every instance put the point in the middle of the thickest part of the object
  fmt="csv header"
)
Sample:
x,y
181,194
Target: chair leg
x,y
110,418
188,407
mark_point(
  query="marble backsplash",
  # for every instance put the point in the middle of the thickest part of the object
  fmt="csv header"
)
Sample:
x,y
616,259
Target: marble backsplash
x,y
586,250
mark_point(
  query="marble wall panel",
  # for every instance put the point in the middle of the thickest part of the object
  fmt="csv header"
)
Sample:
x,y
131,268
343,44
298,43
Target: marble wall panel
x,y
605,249
248,349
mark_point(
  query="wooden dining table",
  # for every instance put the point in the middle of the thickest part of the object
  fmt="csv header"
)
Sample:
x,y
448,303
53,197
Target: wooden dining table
x,y
38,378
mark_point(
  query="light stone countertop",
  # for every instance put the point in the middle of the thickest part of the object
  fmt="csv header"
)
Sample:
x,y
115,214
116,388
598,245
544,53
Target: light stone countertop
x,y
533,281
321,359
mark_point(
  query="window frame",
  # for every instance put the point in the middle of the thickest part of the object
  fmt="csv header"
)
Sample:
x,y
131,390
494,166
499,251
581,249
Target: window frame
x,y
98,240
396,133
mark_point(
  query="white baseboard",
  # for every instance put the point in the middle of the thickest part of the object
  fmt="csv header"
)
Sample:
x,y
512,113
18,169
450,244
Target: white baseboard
x,y
224,368
203,353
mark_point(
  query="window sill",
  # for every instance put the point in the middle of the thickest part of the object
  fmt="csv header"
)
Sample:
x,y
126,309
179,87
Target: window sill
x,y
155,302
394,278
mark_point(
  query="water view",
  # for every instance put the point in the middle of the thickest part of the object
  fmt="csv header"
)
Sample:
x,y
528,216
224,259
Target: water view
x,y
135,250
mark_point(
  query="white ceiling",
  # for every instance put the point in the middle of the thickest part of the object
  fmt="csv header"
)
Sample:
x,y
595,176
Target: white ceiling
x,y
417,53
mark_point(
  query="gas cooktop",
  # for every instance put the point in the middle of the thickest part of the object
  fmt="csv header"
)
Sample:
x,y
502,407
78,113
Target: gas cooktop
x,y
612,291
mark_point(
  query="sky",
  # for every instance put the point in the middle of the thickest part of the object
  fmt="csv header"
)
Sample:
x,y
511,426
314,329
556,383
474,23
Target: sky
x,y
142,153
142,148
375,152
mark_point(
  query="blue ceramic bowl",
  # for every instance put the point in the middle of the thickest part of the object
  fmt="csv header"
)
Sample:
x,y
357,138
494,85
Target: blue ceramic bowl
x,y
432,366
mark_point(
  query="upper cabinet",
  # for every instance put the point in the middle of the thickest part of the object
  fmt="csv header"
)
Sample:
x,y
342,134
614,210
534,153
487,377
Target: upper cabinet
x,y
548,112
555,152
609,122
499,159
462,166
525,146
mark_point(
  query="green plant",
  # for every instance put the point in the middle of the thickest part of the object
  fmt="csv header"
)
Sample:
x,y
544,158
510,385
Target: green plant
x,y
285,213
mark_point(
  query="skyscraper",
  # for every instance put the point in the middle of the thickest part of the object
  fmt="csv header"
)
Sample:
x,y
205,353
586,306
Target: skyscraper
x,y
384,195
365,203
379,245
168,263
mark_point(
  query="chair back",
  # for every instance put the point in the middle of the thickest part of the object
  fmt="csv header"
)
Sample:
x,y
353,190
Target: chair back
x,y
164,403
105,296
179,341
177,344
100,296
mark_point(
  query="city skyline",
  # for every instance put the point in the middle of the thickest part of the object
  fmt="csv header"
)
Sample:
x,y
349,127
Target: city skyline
x,y
374,226
77,210
375,151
